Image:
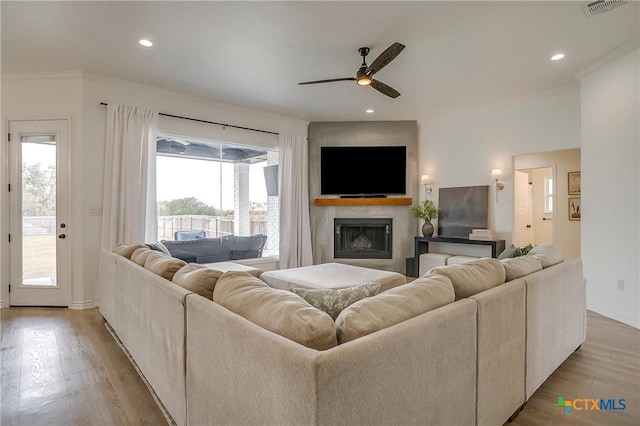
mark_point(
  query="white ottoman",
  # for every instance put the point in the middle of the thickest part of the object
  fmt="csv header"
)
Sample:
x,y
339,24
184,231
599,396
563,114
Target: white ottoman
x,y
431,260
456,260
331,275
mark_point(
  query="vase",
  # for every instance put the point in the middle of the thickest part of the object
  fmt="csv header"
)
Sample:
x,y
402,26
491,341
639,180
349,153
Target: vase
x,y
427,228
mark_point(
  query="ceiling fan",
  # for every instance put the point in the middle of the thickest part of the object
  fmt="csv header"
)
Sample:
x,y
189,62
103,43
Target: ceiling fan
x,y
364,76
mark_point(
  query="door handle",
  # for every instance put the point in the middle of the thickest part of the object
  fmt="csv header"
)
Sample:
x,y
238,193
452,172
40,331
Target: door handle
x,y
62,236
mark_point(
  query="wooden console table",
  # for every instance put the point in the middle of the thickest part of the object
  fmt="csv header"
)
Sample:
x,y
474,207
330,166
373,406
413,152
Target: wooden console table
x,y
422,246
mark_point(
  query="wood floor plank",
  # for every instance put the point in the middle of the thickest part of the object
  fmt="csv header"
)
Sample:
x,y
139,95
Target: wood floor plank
x,y
100,386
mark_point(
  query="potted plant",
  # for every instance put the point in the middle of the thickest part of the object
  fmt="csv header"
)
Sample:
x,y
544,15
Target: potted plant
x,y
426,210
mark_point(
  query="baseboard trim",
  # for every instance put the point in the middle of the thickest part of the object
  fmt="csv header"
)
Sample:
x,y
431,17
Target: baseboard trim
x,y
633,322
89,304
2,305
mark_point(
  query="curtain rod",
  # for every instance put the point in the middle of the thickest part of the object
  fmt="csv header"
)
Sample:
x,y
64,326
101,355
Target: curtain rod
x,y
210,122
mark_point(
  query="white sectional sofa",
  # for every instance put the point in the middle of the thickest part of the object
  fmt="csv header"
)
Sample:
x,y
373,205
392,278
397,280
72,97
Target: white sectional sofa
x,y
472,361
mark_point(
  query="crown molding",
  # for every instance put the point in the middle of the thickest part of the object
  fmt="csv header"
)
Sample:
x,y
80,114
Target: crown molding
x,y
608,58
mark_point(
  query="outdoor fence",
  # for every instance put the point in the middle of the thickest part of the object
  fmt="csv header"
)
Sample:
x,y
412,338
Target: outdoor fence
x,y
214,226
38,225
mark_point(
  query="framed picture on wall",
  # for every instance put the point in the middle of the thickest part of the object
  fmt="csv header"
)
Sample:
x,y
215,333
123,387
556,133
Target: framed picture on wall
x,y
574,183
575,211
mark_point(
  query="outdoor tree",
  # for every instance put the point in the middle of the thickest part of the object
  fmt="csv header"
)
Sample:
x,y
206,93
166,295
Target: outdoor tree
x,y
188,206
38,190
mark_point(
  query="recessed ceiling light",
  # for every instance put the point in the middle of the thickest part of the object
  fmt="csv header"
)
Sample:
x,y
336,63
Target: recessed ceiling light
x,y
369,111
145,43
557,56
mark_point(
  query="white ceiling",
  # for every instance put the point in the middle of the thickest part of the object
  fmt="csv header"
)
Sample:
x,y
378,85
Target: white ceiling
x,y
459,55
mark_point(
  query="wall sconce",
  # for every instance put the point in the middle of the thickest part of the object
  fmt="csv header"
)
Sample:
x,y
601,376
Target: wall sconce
x,y
426,181
496,174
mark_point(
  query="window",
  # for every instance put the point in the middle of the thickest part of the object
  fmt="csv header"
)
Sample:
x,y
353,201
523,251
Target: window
x,y
548,194
215,187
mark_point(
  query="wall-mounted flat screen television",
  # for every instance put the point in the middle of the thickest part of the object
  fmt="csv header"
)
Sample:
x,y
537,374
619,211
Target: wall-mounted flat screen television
x,y
363,170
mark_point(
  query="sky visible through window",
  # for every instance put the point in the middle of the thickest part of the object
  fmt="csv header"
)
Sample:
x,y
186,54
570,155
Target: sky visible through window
x,y
185,177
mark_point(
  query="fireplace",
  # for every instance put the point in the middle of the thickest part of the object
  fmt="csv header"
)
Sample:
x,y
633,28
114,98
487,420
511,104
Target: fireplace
x,y
362,238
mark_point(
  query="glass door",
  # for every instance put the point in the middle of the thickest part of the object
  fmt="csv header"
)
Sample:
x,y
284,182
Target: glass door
x,y
38,211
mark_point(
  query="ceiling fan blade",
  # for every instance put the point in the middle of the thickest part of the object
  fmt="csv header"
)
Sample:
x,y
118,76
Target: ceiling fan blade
x,y
331,80
385,57
384,89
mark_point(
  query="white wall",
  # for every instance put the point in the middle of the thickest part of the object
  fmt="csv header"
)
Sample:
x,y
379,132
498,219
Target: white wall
x,y
79,95
461,149
611,184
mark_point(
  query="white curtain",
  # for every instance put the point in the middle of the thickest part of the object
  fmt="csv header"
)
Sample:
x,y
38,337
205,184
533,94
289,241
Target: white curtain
x,y
129,190
295,230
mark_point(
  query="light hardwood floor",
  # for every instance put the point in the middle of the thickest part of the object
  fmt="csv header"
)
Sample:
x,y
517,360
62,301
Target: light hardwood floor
x,y
62,367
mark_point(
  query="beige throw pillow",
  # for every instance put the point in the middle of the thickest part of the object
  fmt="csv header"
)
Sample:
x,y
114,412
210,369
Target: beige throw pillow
x,y
127,250
394,306
334,301
163,265
474,276
140,255
518,267
547,254
278,311
198,279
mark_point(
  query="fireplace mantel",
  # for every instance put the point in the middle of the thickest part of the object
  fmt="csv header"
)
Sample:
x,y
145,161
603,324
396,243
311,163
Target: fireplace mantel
x,y
391,201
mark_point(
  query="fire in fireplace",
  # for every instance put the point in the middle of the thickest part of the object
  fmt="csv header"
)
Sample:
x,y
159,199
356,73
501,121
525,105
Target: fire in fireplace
x,y
362,238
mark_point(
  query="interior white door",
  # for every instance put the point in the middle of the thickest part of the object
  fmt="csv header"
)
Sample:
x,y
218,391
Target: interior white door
x,y
522,231
38,213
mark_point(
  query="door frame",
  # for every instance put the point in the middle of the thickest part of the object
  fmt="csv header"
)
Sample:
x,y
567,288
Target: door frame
x,y
63,202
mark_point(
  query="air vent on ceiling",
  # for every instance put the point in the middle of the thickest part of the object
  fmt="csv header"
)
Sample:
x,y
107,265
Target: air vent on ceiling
x,y
600,6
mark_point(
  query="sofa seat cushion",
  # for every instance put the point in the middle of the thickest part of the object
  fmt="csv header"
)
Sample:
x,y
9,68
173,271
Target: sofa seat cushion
x,y
394,306
127,250
278,311
198,279
547,254
163,265
140,255
334,301
473,276
518,267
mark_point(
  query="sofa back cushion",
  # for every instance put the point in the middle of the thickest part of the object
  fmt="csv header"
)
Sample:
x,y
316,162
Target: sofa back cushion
x,y
518,267
198,279
278,311
474,276
546,254
140,255
163,265
127,250
394,306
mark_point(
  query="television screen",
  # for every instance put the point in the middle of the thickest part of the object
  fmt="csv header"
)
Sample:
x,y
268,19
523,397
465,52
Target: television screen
x,y
363,170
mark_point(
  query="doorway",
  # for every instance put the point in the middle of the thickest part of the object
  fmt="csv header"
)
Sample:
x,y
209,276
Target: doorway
x,y
534,206
38,213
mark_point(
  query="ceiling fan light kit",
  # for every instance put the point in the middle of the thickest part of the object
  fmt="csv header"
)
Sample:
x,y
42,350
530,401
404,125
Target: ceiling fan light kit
x,y
365,72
